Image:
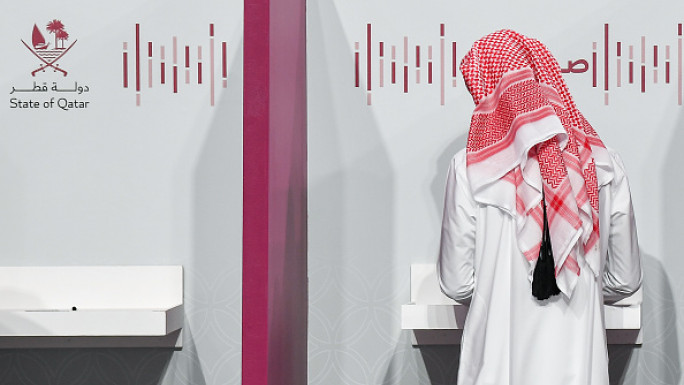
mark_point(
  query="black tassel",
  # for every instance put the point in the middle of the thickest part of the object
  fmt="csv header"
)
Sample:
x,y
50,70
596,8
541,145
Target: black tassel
x,y
544,278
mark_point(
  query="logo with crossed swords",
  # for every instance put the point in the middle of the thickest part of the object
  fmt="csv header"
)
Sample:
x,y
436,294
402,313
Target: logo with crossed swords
x,y
41,49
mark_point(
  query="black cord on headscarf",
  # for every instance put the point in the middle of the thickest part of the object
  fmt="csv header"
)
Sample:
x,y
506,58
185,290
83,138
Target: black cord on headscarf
x,y
544,278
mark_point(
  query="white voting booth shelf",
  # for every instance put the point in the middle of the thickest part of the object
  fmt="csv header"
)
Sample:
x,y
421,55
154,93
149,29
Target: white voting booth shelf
x,y
438,320
95,306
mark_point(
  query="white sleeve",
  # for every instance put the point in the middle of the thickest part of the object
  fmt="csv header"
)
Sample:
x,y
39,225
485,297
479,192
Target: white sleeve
x,y
622,274
455,265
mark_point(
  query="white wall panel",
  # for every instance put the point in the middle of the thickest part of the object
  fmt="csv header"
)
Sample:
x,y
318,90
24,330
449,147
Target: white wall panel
x,y
121,183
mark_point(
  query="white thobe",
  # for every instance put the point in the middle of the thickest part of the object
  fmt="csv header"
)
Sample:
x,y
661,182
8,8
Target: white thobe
x,y
510,337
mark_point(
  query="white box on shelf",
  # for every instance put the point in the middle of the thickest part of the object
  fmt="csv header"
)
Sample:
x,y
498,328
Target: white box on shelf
x,y
91,306
437,319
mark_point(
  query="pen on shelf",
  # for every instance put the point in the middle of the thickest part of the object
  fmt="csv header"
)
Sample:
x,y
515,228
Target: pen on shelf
x,y
73,308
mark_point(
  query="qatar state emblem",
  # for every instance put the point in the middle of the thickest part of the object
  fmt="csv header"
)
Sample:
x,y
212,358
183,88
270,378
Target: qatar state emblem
x,y
41,49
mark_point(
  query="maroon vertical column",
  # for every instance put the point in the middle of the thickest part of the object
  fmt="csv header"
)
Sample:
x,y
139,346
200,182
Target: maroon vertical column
x,y
274,298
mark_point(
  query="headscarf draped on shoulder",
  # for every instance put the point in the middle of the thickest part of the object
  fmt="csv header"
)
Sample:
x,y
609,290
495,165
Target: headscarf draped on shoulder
x,y
526,134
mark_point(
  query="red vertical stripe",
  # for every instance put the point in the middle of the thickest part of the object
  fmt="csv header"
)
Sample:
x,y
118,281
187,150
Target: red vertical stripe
x,y
199,64
667,72
394,72
368,56
429,72
593,72
212,63
619,48
187,56
417,56
631,72
255,208
162,71
175,79
405,79
274,194
655,55
149,49
605,58
125,69
225,59
137,57
356,69
382,49
454,59
441,29
679,29
643,78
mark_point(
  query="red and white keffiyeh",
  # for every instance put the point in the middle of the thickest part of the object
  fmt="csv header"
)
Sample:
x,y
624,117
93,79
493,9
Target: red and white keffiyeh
x,y
527,134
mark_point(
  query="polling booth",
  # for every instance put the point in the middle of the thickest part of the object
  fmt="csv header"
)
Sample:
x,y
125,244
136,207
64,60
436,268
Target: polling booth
x,y
388,109
148,146
121,172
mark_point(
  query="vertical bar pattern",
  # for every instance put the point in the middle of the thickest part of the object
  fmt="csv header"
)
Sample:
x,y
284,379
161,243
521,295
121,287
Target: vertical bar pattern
x,y
224,59
417,64
224,52
593,65
125,65
187,56
605,58
356,64
405,64
368,56
162,70
659,64
643,64
442,79
187,64
137,57
180,59
655,64
429,64
667,64
679,65
212,71
149,64
175,65
381,71
199,65
454,60
394,64
619,64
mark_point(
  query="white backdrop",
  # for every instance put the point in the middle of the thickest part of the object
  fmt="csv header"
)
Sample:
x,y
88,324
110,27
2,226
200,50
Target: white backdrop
x,y
120,183
376,172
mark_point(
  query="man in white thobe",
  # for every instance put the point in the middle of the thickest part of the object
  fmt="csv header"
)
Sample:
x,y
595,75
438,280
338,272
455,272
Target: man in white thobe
x,y
510,337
